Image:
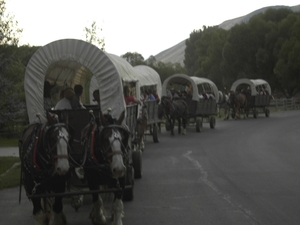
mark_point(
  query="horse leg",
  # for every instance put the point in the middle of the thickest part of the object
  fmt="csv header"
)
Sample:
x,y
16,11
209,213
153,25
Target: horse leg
x,y
184,122
236,110
226,112
40,218
57,216
179,125
97,214
39,215
117,207
159,127
172,124
118,212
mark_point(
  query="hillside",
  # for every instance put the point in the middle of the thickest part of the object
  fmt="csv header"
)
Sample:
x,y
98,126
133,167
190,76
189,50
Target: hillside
x,y
175,54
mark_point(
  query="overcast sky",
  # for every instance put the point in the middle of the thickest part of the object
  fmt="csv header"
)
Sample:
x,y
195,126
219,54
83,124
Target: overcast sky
x,y
147,27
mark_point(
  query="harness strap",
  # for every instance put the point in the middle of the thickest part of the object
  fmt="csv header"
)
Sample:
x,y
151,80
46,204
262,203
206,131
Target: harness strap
x,y
35,149
93,142
111,154
61,157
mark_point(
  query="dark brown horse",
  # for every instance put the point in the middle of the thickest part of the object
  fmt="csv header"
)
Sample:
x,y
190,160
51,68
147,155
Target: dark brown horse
x,y
175,110
43,149
107,145
238,103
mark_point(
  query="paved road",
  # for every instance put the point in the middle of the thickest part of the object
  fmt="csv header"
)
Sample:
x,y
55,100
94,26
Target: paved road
x,y
241,172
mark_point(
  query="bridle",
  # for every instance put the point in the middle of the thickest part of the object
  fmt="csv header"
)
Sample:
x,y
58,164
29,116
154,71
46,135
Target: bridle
x,y
57,128
115,129
46,132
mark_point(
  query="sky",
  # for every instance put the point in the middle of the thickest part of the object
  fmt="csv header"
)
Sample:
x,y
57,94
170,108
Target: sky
x,y
146,27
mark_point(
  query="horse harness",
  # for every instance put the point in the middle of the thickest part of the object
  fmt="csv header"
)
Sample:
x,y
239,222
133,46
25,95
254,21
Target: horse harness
x,y
172,107
107,152
39,139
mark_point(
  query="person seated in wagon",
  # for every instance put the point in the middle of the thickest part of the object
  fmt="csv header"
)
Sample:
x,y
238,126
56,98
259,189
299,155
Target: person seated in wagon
x,y
65,102
75,102
130,99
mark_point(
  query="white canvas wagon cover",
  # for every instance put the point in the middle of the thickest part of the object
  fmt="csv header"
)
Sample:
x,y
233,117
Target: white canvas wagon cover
x,y
252,83
205,81
68,61
125,71
148,77
186,80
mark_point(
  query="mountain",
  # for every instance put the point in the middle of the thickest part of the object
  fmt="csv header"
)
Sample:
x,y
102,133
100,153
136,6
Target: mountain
x,y
175,54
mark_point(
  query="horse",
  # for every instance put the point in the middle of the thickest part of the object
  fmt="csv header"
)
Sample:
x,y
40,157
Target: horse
x,y
223,103
175,110
238,102
106,143
141,127
43,150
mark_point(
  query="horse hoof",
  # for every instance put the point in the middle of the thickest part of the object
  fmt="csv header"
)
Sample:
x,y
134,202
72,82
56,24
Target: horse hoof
x,y
58,219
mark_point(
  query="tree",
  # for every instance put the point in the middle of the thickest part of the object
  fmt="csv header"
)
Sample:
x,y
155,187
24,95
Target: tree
x,y
91,36
288,65
11,104
190,55
134,58
9,31
151,61
209,48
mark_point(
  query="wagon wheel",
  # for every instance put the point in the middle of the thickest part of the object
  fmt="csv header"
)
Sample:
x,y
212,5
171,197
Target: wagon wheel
x,y
128,194
155,134
137,163
267,112
212,122
199,125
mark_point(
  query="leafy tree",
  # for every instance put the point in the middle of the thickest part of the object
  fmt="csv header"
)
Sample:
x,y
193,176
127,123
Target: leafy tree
x,y
91,36
134,58
210,48
190,54
168,69
288,65
11,104
9,31
151,61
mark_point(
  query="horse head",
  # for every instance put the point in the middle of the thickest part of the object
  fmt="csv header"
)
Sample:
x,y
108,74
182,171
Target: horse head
x,y
114,140
56,142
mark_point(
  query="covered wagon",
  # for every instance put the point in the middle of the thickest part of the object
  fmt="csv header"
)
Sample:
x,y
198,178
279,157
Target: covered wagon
x,y
200,94
66,63
149,81
258,94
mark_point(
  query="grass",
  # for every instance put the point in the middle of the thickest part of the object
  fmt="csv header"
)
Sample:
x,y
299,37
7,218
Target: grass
x,y
8,142
10,169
